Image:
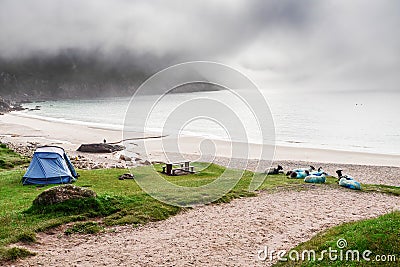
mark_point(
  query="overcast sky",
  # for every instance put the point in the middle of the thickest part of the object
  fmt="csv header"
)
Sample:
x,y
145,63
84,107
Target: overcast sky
x,y
335,44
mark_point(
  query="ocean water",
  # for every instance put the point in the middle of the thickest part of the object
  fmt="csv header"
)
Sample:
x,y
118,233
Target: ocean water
x,y
350,121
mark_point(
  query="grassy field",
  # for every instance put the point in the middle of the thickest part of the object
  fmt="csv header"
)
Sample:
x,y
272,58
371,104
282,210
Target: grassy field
x,y
380,235
119,202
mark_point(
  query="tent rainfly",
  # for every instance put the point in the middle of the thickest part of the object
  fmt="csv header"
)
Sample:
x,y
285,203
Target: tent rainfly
x,y
50,165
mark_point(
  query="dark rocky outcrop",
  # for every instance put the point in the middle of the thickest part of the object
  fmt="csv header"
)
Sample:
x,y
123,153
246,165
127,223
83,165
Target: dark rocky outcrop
x,y
4,106
100,148
7,106
62,193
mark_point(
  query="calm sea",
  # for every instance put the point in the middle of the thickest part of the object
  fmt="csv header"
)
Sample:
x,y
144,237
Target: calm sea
x,y
351,121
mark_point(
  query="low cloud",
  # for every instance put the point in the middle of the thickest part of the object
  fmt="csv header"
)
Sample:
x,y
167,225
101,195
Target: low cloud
x,y
354,44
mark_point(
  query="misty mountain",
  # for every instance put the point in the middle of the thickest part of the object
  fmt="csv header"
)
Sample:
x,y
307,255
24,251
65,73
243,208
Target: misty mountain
x,y
77,74
71,74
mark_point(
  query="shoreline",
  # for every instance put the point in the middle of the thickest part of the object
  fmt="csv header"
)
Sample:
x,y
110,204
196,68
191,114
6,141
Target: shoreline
x,y
23,130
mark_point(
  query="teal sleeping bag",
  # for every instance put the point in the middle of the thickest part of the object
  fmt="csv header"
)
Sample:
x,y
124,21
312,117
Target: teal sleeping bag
x,y
316,179
352,184
299,175
318,173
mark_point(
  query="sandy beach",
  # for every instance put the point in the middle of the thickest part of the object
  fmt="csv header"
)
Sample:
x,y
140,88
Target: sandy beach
x,y
21,130
225,234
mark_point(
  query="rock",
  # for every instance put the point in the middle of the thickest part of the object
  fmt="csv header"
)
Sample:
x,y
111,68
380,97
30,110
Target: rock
x,y
7,106
96,167
4,106
18,108
126,176
132,163
123,157
62,193
24,149
146,162
119,166
100,148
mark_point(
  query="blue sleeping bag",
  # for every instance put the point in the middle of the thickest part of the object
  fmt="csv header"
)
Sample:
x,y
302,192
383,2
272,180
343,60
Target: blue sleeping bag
x,y
316,179
318,173
301,170
349,182
300,175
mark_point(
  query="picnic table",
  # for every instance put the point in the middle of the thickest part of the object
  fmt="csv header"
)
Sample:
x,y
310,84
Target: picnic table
x,y
171,168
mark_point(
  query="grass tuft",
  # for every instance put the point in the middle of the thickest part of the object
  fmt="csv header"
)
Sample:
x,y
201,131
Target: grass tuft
x,y
13,254
379,235
27,237
90,207
9,159
84,228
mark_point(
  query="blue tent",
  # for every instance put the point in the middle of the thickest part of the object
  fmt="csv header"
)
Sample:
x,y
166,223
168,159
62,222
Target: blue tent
x,y
50,165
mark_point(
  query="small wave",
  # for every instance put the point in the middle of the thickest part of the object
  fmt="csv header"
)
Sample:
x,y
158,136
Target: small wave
x,y
294,142
69,121
361,146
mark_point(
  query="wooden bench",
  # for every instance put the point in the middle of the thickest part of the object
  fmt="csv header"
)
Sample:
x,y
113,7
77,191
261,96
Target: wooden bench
x,y
183,166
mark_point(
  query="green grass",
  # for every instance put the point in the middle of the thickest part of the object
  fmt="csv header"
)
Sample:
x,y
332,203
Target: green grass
x,y
380,235
84,228
119,202
387,189
9,159
12,254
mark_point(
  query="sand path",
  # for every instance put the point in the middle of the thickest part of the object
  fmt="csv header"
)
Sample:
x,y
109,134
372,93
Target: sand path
x,y
216,235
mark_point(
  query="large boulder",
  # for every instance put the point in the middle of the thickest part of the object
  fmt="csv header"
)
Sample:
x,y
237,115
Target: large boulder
x,y
100,148
62,193
7,106
4,106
